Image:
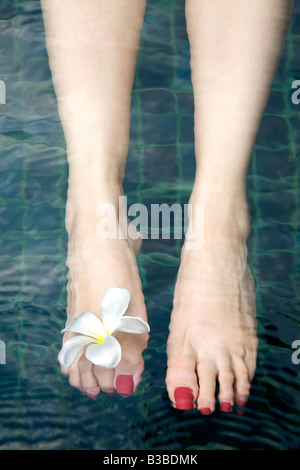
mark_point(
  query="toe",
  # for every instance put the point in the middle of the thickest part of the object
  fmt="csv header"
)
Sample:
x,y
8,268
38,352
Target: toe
x,y
226,382
128,375
89,382
250,359
207,373
181,379
242,384
105,379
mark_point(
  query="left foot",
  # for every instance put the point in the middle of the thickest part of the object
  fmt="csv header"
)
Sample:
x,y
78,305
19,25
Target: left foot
x,y
213,324
96,265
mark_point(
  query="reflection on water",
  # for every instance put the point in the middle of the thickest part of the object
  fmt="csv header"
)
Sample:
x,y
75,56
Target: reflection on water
x,y
39,410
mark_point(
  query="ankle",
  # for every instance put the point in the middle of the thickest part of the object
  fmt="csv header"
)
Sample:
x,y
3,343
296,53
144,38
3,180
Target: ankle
x,y
226,211
101,207
87,195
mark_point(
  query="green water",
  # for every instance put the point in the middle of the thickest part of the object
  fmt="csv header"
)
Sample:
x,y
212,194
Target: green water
x,y
38,408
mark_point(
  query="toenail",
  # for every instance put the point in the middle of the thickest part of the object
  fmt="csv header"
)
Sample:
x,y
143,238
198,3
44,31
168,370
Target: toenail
x,y
111,392
241,404
124,385
184,398
205,411
92,393
225,406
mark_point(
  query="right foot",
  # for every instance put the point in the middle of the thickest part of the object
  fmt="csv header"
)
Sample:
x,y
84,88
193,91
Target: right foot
x,y
95,265
213,324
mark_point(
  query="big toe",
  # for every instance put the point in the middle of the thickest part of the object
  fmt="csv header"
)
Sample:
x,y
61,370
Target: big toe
x,y
181,379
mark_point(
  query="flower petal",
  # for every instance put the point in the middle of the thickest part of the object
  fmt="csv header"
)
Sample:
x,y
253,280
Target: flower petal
x,y
113,306
106,354
87,324
71,348
133,325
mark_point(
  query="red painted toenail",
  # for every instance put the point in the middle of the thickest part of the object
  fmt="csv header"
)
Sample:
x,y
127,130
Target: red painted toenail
x,y
92,393
184,398
241,404
111,392
205,411
124,385
225,406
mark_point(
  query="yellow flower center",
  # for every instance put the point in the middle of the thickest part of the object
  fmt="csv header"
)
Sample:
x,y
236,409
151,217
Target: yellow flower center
x,y
100,338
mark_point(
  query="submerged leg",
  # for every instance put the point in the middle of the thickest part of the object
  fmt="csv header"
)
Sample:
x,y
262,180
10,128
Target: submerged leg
x,y
235,48
92,49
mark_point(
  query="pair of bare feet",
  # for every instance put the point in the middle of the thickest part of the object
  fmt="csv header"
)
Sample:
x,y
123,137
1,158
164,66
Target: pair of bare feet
x,y
235,47
212,336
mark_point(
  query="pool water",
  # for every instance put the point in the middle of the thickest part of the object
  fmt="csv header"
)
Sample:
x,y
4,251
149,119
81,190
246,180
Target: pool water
x,y
38,408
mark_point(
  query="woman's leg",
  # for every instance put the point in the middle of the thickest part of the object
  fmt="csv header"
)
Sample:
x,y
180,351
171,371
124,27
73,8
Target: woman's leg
x,y
235,48
92,47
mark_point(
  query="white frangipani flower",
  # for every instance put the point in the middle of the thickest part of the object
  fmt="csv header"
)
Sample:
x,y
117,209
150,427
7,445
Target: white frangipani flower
x,y
102,348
